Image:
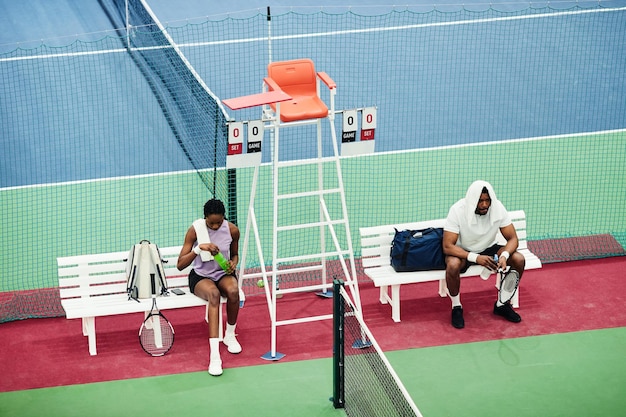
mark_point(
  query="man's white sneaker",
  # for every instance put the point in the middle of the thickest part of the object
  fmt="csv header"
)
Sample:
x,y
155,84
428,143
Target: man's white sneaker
x,y
215,367
233,345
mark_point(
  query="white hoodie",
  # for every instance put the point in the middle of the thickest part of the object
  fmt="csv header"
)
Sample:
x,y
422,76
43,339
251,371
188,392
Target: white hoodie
x,y
476,232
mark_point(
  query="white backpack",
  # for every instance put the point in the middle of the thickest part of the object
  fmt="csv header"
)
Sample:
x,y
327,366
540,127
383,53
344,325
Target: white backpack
x,y
144,261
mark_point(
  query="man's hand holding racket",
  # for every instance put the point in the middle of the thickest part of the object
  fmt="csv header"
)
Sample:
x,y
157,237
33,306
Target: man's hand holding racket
x,y
487,262
502,262
495,264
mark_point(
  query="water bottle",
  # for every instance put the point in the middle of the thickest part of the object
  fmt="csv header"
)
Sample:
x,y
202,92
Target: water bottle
x,y
486,272
222,261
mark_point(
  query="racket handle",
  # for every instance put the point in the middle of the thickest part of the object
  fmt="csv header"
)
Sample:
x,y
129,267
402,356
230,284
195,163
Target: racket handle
x,y
152,284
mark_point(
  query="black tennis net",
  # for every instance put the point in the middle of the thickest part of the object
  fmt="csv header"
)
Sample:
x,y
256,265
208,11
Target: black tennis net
x,y
193,112
364,382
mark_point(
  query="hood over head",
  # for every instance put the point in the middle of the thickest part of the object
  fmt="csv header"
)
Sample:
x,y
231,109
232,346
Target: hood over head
x,y
496,210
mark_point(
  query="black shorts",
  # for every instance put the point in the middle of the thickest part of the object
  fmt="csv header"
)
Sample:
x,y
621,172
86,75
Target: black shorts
x,y
491,250
194,278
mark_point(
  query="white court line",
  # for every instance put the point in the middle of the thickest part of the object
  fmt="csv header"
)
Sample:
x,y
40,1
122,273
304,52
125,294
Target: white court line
x,y
329,159
494,142
332,33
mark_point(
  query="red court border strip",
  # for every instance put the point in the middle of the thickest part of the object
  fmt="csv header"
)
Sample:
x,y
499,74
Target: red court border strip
x,y
559,298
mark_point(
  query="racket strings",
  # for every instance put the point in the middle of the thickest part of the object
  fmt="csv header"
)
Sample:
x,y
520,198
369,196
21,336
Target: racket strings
x,y
508,285
156,335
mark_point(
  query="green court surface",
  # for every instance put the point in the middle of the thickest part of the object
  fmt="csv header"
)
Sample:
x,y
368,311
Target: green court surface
x,y
109,215
570,374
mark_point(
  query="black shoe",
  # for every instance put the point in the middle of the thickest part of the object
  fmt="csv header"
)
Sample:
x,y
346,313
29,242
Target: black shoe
x,y
457,317
507,312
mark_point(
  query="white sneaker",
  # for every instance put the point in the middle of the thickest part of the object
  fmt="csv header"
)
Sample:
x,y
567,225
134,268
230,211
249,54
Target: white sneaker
x,y
215,367
233,345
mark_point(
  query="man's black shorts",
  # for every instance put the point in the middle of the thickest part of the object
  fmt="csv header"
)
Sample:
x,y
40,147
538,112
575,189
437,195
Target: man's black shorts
x,y
491,250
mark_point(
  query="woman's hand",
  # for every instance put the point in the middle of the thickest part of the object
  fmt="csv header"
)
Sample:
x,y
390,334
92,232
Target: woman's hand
x,y
210,247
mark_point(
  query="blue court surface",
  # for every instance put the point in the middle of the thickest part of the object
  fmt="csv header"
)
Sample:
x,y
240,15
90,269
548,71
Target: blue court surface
x,y
29,21
455,107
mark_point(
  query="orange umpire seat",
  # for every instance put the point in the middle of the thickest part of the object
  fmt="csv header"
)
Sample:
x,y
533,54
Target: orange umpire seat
x,y
298,79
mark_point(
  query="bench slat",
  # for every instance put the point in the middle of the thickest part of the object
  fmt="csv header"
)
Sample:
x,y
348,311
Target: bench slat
x,y
520,224
93,290
93,269
177,282
386,275
168,251
95,258
171,270
376,261
91,279
114,305
72,287
378,250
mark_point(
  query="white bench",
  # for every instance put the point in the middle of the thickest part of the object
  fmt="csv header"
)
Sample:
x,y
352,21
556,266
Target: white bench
x,y
376,247
95,285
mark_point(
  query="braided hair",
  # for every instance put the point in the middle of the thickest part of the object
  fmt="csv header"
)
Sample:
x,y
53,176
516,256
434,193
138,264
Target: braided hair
x,y
214,206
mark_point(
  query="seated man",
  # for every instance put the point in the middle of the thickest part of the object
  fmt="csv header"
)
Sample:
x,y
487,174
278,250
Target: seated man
x,y
469,237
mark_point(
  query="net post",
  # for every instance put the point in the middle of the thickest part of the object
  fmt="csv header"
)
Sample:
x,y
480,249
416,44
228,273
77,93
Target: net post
x,y
338,345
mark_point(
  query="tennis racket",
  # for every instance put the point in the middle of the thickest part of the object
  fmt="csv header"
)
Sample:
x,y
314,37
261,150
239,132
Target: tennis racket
x,y
509,281
156,334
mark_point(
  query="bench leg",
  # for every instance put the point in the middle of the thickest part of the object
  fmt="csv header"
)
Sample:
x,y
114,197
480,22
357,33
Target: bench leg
x,y
221,319
89,330
443,288
515,299
383,295
395,303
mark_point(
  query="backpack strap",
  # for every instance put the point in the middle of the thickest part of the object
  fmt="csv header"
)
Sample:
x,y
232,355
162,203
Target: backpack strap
x,y
157,261
131,272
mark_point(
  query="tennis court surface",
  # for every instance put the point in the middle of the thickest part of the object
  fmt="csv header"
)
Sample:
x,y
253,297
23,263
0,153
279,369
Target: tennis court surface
x,y
565,358
117,134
